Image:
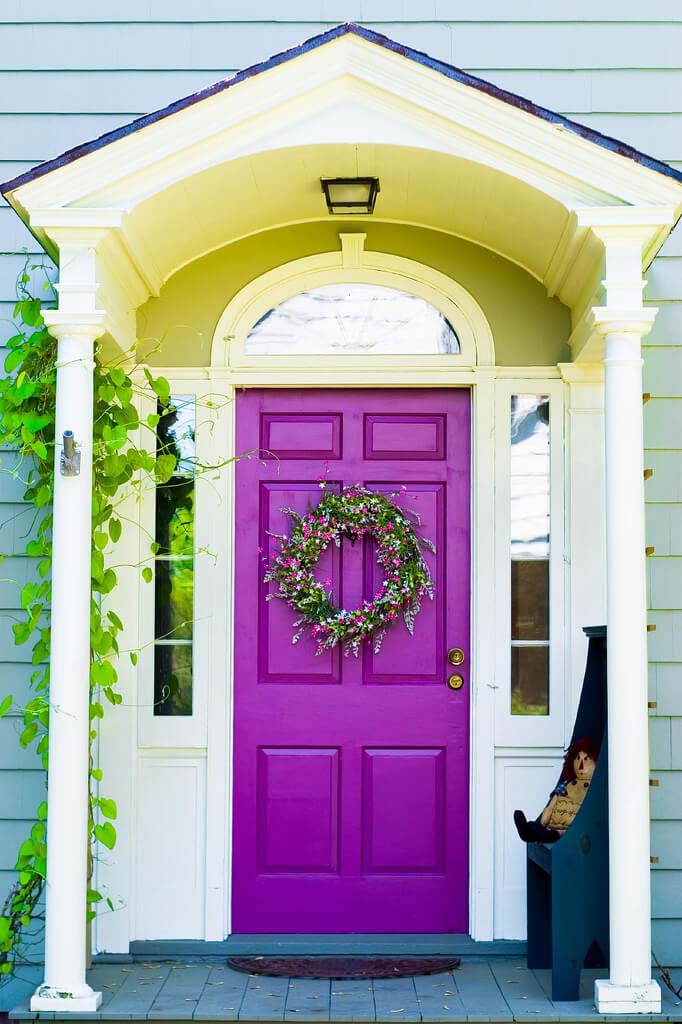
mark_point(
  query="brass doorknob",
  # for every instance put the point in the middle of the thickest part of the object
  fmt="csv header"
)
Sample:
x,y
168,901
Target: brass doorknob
x,y
455,655
456,681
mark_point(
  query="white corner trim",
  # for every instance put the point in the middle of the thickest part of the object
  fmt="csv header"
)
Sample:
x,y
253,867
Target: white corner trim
x,y
256,298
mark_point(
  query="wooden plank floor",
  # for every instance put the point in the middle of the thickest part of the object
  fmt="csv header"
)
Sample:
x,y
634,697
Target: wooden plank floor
x,y
494,990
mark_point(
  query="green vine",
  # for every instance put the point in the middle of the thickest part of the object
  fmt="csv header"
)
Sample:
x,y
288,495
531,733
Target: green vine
x,y
27,405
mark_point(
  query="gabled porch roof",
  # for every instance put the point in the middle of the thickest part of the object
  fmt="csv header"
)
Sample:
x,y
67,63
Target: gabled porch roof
x,y
448,70
454,153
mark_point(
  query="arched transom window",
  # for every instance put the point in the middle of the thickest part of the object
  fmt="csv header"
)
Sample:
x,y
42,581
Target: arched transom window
x,y
352,318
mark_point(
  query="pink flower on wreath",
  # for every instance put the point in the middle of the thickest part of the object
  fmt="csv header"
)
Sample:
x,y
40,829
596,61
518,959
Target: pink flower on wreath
x,y
327,582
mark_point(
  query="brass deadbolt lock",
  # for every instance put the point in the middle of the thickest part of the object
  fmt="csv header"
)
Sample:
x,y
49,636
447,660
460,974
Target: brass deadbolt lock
x,y
456,681
455,655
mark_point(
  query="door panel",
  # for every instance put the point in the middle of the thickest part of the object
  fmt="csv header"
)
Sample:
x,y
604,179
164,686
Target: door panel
x,y
351,774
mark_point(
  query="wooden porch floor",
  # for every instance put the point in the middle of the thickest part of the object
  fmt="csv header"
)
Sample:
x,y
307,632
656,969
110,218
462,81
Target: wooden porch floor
x,y
488,990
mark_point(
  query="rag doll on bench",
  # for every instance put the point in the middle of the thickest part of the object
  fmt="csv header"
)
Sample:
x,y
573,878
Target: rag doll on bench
x,y
567,797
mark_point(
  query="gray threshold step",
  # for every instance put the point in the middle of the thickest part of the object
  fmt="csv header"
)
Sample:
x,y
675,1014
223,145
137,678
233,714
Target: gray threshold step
x,y
319,945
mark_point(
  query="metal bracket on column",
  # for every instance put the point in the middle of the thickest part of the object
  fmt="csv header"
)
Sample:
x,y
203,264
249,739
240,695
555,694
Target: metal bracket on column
x,y
70,458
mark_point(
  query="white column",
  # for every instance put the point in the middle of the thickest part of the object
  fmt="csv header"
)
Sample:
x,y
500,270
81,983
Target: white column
x,y
65,988
630,988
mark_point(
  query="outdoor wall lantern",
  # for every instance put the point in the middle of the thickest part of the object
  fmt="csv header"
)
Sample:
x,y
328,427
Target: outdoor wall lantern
x,y
350,195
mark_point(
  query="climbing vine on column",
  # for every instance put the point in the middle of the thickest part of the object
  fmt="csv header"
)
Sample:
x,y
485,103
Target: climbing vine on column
x,y
120,461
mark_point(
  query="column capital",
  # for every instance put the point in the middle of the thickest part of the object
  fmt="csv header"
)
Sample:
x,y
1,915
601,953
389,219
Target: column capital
x,y
615,320
62,324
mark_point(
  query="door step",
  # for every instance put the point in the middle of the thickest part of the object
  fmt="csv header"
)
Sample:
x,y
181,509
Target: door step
x,y
320,945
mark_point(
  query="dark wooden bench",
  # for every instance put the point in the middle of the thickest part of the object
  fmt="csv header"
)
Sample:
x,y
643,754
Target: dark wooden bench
x,y
568,881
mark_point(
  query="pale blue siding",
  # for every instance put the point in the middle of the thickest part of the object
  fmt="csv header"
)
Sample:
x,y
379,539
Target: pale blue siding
x,y
73,70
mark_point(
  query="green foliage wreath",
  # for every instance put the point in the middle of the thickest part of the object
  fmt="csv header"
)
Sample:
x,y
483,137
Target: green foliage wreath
x,y
354,513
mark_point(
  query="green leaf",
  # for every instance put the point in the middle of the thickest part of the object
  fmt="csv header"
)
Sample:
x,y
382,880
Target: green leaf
x,y
114,619
161,387
42,811
13,360
105,834
35,423
101,539
108,807
22,632
165,467
147,574
117,376
102,673
106,392
6,705
28,734
96,709
30,312
133,657
27,848
96,774
115,530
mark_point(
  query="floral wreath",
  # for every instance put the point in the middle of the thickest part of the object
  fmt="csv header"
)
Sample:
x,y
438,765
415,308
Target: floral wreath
x,y
353,513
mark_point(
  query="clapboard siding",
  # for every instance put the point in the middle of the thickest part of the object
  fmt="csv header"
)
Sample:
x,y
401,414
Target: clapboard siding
x,y
12,265
667,329
71,71
368,11
20,793
217,45
15,678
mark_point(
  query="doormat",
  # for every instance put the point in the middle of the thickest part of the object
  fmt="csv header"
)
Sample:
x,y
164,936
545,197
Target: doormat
x,y
343,966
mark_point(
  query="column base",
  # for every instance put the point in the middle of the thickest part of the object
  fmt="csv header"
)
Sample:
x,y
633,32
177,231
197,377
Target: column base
x,y
48,998
613,998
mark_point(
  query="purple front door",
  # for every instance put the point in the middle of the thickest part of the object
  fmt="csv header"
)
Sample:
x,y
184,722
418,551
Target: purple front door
x,y
351,775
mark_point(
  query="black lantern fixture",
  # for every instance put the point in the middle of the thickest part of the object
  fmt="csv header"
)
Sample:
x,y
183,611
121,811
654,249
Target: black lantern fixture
x,y
350,195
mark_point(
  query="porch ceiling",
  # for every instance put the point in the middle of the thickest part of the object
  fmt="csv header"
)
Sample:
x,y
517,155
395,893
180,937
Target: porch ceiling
x,y
452,153
418,186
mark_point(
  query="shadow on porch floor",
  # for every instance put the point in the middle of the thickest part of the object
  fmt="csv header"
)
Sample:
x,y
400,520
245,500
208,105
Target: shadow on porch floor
x,y
489,990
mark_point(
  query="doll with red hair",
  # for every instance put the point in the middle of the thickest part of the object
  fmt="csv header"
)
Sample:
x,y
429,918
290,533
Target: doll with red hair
x,y
566,798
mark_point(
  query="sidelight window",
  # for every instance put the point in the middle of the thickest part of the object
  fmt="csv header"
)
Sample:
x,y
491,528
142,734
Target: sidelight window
x,y
174,562
530,554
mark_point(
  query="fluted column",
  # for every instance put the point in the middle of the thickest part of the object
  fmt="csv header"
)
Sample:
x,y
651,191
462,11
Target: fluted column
x,y
64,988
